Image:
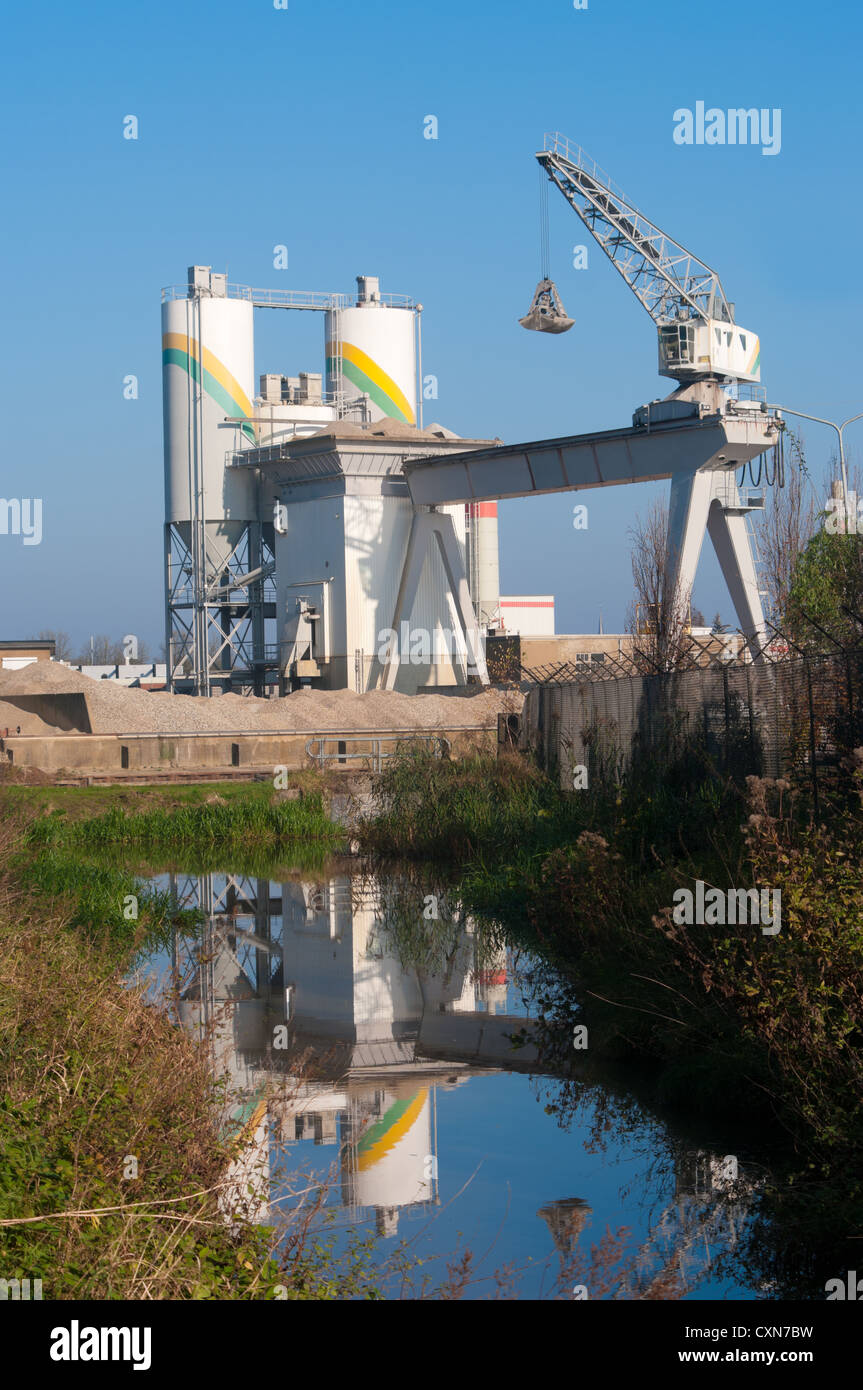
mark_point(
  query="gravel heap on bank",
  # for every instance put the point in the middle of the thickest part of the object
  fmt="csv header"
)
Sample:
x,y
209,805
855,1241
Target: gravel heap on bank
x,y
115,709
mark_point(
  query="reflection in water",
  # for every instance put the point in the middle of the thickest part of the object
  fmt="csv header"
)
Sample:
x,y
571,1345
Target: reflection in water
x,y
566,1219
702,1221
300,983
338,1010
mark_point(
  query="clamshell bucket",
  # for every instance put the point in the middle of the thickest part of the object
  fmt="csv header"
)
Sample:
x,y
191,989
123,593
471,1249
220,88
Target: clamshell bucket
x,y
546,313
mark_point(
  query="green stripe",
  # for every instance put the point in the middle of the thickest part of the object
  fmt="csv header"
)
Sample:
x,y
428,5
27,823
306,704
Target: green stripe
x,y
365,383
392,1116
174,357
240,1116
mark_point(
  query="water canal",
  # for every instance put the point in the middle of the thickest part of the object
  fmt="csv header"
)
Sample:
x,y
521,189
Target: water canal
x,y
365,1035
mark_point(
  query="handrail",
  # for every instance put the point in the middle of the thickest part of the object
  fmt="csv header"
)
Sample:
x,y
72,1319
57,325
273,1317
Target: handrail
x,y
555,143
287,299
436,744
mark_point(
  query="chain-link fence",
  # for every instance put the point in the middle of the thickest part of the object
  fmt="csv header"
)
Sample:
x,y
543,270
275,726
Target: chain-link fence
x,y
797,717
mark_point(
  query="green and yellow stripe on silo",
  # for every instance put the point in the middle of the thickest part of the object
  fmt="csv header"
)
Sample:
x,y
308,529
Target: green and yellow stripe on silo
x,y
368,376
390,1128
206,369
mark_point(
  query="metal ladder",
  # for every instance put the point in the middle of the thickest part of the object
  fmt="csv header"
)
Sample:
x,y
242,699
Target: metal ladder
x,y
334,354
737,498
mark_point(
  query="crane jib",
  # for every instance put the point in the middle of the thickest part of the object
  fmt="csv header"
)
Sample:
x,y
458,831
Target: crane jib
x,y
698,336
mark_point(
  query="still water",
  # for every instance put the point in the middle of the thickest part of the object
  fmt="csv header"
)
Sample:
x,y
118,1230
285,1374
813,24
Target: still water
x,y
363,1029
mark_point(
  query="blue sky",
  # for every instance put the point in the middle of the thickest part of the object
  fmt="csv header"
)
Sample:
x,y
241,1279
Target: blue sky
x,y
304,126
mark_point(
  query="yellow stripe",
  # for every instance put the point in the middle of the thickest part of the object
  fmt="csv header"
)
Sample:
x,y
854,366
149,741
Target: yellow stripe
x,y
213,366
378,376
247,1133
399,1130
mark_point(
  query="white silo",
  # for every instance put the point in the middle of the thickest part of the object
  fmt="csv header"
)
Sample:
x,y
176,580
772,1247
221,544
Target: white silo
x,y
211,510
208,376
389,1159
371,352
483,561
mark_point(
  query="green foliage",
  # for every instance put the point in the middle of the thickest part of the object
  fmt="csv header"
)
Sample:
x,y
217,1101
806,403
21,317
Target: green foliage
x,y
92,896
504,811
828,578
91,1074
438,809
72,853
210,828
797,996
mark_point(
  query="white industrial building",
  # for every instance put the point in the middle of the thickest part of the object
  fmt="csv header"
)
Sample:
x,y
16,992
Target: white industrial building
x,y
317,533
293,552
528,615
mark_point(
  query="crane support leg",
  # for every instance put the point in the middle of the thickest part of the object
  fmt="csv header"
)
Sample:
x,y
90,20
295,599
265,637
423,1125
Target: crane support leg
x,y
708,500
688,509
734,553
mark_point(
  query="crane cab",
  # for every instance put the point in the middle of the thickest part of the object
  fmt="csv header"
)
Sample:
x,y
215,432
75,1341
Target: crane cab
x,y
708,347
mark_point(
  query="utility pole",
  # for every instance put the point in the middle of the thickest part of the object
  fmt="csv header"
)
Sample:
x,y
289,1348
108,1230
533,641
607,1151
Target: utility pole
x,y
839,430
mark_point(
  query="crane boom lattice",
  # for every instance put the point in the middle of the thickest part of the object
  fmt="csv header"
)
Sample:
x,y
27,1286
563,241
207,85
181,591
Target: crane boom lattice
x,y
669,281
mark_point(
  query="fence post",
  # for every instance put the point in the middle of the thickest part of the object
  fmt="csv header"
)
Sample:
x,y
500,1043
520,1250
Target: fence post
x,y
540,725
748,671
727,715
812,735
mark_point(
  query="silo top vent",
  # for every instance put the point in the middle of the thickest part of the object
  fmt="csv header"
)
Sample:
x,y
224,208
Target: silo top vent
x,y
368,289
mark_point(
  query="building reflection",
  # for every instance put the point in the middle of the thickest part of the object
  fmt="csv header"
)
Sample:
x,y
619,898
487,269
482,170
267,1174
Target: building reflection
x,y
300,993
335,1026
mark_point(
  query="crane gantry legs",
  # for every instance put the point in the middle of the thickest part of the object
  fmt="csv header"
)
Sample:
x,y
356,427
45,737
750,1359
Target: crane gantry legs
x,y
708,500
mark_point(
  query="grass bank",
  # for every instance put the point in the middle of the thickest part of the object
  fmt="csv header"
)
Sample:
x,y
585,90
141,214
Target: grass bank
x,y
86,802
114,1161
119,1177
112,1156
91,850
213,819
73,838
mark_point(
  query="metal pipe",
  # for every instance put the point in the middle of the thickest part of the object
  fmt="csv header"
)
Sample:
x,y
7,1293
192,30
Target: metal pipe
x,y
419,312
839,430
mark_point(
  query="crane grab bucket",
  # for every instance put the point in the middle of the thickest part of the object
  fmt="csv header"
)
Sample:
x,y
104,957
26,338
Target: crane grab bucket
x,y
546,313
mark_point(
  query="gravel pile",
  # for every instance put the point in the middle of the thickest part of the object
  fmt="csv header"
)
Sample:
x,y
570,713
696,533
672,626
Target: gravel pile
x,y
115,709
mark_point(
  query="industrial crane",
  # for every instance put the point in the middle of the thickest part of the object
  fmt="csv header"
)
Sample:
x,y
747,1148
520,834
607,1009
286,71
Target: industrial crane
x,y
698,337
703,349
697,438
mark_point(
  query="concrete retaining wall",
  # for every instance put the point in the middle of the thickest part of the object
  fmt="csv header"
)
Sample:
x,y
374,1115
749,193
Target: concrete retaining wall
x,y
478,1038
101,754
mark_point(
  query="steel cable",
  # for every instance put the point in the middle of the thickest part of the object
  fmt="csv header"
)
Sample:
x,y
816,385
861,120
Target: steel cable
x,y
544,243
